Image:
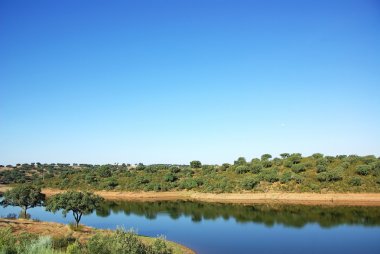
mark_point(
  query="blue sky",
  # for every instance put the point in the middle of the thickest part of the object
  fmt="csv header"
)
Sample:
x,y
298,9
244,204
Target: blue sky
x,y
167,81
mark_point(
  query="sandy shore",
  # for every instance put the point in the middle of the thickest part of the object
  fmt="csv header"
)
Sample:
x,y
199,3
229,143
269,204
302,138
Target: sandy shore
x,y
359,199
60,230
354,199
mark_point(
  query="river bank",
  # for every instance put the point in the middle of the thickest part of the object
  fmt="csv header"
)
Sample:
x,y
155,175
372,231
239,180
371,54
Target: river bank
x,y
354,199
52,229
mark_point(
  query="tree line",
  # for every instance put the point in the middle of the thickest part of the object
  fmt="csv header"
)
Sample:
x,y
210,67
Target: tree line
x,y
288,172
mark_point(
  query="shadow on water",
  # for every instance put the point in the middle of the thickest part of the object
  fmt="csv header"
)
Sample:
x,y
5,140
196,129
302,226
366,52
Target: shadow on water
x,y
288,215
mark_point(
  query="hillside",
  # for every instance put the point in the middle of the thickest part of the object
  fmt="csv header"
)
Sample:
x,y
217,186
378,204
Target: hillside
x,y
290,173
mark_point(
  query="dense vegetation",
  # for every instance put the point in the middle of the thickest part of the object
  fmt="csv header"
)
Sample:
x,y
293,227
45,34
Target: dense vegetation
x,y
118,242
289,172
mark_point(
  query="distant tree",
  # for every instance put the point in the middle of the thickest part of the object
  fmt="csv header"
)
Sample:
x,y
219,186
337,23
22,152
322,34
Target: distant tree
x,y
24,196
104,171
195,164
78,202
284,155
265,157
317,156
240,161
140,166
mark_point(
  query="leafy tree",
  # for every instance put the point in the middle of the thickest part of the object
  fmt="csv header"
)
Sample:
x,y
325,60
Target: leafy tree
x,y
265,157
284,155
78,202
25,196
195,164
317,156
240,161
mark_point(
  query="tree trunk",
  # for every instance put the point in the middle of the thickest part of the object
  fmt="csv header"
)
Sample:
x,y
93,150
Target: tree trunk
x,y
24,212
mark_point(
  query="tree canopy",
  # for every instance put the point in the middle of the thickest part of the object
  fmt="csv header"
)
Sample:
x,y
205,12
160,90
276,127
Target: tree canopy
x,y
26,196
75,201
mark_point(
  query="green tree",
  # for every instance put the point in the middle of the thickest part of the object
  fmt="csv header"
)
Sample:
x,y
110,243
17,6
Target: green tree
x,y
78,202
240,161
25,196
195,164
284,155
266,156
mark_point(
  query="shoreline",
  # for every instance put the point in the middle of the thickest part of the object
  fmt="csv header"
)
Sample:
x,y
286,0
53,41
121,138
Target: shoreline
x,y
352,199
55,229
302,198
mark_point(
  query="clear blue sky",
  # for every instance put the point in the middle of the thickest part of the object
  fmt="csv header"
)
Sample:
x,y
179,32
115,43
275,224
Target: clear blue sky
x,y
166,81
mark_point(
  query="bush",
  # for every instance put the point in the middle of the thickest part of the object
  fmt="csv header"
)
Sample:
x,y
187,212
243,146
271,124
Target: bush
x,y
321,168
286,177
335,175
74,248
188,184
330,176
298,179
242,169
250,183
174,169
363,170
355,181
322,177
159,246
62,242
298,168
256,168
270,175
267,164
170,177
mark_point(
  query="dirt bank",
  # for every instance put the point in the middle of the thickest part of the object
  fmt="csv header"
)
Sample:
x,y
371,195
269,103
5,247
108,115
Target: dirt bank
x,y
354,199
359,199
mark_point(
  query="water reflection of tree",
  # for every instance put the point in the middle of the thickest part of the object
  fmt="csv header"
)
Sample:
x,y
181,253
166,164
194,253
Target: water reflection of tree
x,y
269,215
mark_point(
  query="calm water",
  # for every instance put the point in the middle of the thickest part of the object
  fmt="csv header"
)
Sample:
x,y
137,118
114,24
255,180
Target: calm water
x,y
226,228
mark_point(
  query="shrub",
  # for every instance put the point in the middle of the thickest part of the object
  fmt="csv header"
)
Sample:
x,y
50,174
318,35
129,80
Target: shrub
x,y
363,170
297,168
331,175
61,242
174,169
286,177
334,175
256,168
170,177
242,169
322,177
7,241
188,184
159,246
267,164
250,183
321,168
355,181
270,175
298,179
74,248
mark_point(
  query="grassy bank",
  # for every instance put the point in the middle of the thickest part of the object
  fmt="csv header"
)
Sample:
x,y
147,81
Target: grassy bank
x,y
63,235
